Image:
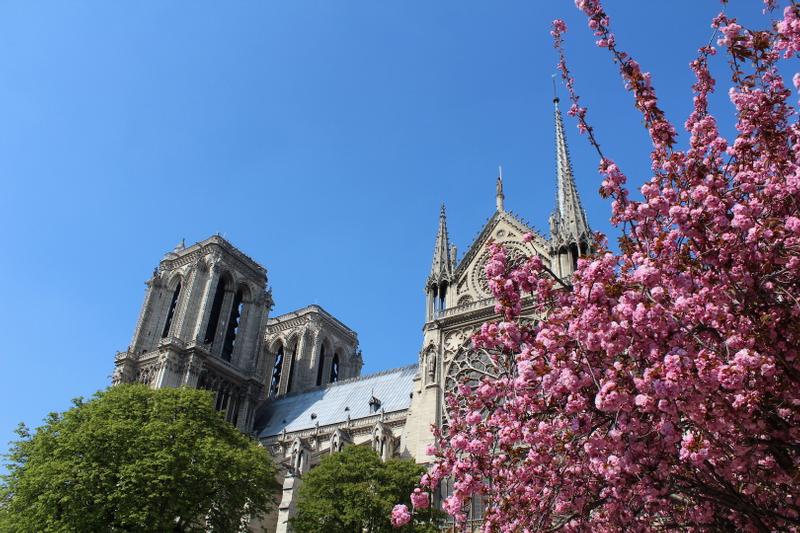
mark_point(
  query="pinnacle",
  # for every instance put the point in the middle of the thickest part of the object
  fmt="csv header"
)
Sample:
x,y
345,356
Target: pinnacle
x,y
441,266
568,222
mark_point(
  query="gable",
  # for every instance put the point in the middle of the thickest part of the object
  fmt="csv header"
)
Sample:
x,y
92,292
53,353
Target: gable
x,y
469,280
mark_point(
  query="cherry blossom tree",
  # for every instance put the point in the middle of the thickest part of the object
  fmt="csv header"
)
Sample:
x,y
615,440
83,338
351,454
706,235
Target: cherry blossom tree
x,y
660,389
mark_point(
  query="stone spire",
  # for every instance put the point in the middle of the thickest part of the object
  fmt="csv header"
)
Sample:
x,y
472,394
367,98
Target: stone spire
x,y
499,196
441,267
568,222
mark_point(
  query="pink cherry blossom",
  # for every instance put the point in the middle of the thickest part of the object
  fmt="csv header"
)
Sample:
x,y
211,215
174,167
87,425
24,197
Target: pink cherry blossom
x,y
419,499
660,387
400,515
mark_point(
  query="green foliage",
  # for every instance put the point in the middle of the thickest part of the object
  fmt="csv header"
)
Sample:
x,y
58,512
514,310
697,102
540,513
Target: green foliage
x,y
137,460
354,491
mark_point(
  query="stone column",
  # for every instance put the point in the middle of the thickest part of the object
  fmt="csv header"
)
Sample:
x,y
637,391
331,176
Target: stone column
x,y
248,340
206,302
193,368
166,375
300,378
239,354
224,316
286,509
137,341
428,304
313,361
187,305
289,354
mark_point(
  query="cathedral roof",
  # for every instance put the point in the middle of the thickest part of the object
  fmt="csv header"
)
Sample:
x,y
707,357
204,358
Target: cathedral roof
x,y
333,404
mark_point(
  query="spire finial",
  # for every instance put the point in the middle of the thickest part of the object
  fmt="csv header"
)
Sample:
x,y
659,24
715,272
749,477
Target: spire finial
x,y
441,267
555,93
499,196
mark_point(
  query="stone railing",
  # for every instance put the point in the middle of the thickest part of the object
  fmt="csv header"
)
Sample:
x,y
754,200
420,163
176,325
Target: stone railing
x,y
165,341
465,308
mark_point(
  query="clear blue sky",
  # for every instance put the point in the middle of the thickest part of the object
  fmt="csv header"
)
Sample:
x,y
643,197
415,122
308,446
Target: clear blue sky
x,y
320,137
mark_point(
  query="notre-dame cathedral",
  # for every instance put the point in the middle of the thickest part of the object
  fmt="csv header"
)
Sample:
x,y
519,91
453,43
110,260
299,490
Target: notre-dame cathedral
x,y
294,381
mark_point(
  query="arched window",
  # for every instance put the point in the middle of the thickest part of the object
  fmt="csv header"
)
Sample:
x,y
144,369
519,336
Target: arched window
x,y
442,296
233,325
171,313
291,371
320,365
334,368
216,309
276,372
573,253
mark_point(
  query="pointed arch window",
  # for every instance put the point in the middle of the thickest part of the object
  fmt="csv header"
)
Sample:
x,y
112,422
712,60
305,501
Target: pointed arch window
x,y
233,325
573,254
171,313
276,372
216,310
334,369
291,371
442,297
320,365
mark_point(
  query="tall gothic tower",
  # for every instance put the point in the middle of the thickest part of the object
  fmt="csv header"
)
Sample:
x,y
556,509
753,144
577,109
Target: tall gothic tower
x,y
201,325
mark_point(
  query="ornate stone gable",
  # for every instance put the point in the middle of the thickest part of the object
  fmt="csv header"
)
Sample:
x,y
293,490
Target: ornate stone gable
x,y
503,227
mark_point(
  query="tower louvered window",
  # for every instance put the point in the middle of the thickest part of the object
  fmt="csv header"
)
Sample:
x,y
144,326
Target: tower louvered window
x,y
171,313
335,368
291,371
216,309
276,372
320,365
233,326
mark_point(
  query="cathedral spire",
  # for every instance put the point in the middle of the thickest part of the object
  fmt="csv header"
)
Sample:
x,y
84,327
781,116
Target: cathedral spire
x,y
570,236
568,222
441,266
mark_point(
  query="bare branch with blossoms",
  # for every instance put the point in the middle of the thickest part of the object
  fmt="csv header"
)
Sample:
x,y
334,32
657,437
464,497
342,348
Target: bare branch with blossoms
x,y
663,391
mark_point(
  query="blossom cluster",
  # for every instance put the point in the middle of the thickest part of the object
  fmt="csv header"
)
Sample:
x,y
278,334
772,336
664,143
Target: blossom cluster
x,y
660,389
400,515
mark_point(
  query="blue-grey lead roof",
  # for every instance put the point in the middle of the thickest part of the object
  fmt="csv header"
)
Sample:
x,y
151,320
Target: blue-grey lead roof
x,y
293,412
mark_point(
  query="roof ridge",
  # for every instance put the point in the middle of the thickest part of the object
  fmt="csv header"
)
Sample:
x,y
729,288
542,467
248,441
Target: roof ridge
x,y
348,381
296,313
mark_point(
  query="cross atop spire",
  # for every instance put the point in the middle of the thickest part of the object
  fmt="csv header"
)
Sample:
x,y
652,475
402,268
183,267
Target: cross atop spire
x,y
441,266
568,222
499,196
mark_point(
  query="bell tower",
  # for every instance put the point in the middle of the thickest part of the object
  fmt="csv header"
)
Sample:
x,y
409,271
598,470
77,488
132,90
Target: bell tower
x,y
201,325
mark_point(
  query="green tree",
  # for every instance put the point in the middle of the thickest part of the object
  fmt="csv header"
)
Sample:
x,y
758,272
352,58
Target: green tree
x,y
137,460
354,491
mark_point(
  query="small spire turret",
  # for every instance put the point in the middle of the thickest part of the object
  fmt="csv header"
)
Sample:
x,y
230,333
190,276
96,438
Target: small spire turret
x,y
570,234
442,268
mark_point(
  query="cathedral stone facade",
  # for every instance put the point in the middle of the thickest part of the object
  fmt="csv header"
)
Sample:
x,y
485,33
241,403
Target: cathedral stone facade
x,y
294,381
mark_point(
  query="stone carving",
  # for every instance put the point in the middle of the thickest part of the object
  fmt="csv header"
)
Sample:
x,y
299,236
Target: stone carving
x,y
431,363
